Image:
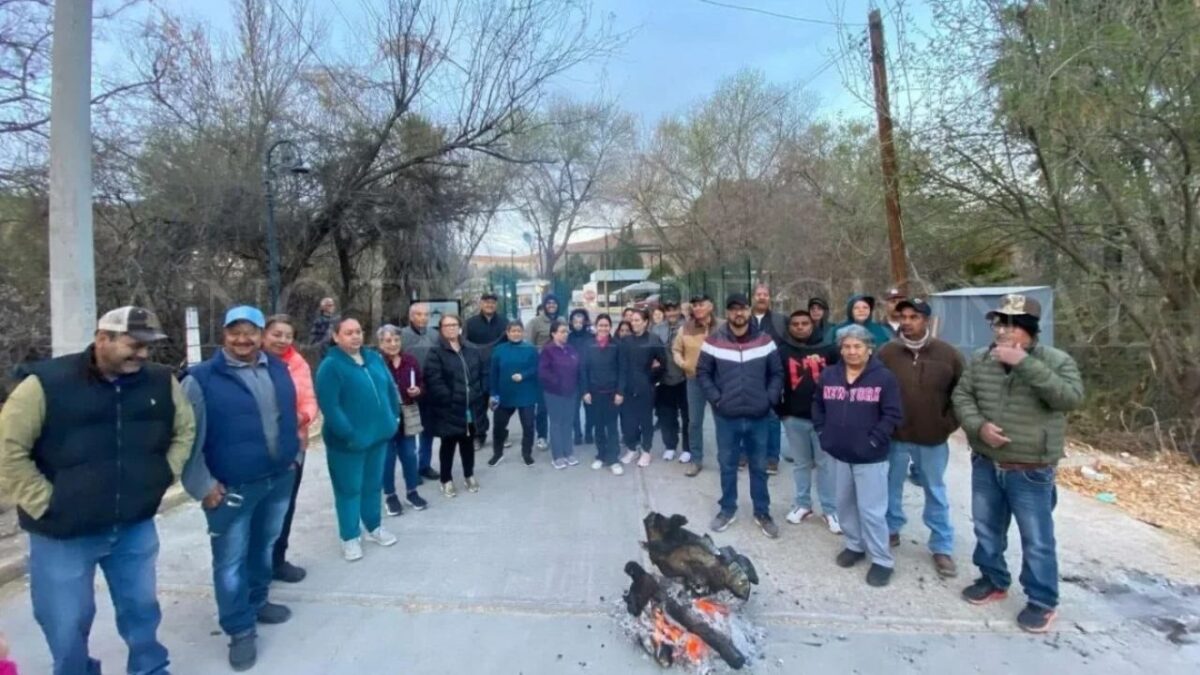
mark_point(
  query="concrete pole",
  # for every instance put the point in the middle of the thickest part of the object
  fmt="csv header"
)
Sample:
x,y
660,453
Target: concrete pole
x,y
72,265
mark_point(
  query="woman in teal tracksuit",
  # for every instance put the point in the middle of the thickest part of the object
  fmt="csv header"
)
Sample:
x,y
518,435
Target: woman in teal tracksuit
x,y
361,409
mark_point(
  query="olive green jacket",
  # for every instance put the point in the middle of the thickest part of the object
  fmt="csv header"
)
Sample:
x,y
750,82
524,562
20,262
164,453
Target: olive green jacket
x,y
1029,403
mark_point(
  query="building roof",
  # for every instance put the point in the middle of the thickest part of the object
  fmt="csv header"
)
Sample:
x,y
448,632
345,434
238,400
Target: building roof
x,y
975,291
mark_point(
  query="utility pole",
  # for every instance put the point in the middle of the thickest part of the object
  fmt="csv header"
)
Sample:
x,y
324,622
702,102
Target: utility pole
x,y
887,148
72,261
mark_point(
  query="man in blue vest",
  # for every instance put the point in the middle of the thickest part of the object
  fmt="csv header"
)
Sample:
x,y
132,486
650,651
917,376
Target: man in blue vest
x,y
242,471
89,443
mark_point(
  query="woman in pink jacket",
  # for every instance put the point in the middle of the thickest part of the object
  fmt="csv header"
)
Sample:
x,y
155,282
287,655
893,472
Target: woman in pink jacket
x,y
277,340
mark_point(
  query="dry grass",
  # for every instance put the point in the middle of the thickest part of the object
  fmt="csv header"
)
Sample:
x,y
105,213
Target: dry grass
x,y
1162,490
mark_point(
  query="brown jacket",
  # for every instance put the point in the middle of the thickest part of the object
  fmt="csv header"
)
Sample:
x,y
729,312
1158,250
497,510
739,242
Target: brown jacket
x,y
927,379
685,348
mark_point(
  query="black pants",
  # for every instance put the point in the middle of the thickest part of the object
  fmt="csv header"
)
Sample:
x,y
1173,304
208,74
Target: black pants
x,y
604,416
481,428
281,544
670,403
637,422
543,422
587,428
466,449
500,435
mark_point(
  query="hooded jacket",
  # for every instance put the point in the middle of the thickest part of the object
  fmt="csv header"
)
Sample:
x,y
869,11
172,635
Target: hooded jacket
x,y
820,328
456,389
510,358
927,378
538,329
803,363
881,333
579,339
855,421
360,403
636,353
740,378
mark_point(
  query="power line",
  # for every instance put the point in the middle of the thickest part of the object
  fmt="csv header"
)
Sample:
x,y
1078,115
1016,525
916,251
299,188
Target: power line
x,y
778,15
333,76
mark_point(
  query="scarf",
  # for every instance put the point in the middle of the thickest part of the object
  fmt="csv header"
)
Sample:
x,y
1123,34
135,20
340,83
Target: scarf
x,y
915,345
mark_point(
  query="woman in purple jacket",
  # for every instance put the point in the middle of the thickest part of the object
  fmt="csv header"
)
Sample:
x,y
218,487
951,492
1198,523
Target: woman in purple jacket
x,y
856,406
558,373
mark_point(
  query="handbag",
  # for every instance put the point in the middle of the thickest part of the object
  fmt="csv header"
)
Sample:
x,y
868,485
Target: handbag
x,y
411,414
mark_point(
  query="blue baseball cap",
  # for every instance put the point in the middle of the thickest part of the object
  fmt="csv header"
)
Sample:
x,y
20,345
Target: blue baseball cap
x,y
245,313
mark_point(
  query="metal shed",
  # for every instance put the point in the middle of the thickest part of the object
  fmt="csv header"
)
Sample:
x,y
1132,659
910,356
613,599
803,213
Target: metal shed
x,y
960,315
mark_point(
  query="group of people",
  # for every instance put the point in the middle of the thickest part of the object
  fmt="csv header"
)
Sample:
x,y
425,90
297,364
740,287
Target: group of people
x,y
89,442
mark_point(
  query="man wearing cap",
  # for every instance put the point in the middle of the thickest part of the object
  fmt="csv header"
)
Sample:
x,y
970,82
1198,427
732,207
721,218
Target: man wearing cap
x,y
742,377
892,300
928,369
89,443
485,330
1013,401
670,395
242,471
685,353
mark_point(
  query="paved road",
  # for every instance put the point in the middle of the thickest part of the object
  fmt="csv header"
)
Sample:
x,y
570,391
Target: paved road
x,y
525,576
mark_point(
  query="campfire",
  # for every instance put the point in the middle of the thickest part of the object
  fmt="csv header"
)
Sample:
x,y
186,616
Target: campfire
x,y
689,614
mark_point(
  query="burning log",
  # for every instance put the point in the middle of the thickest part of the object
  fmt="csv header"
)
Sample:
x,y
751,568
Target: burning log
x,y
705,569
677,629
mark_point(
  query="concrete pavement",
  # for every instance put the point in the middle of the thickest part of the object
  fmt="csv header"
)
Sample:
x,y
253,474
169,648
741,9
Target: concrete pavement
x,y
525,577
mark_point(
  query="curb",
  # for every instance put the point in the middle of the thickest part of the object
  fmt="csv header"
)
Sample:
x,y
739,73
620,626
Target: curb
x,y
14,566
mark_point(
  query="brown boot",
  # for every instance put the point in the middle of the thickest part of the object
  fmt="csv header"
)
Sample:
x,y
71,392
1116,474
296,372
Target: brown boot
x,y
693,469
772,468
944,565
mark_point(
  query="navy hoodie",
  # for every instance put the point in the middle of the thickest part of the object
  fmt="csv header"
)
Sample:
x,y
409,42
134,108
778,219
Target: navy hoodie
x,y
856,421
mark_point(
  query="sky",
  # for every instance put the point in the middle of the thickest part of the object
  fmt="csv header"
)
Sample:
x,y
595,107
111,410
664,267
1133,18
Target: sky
x,y
676,53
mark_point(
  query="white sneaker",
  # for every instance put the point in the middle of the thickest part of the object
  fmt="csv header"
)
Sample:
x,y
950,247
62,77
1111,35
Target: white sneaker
x,y
558,464
617,469
798,514
572,461
668,455
832,521
685,457
352,550
541,444
644,460
597,465
629,456
382,537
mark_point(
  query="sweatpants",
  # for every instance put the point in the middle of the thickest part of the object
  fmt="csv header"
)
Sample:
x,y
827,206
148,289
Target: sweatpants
x,y
561,413
862,501
357,479
466,449
604,414
671,404
500,435
637,423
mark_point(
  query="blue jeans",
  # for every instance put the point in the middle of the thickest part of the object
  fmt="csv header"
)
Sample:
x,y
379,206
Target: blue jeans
x,y
737,436
806,450
242,530
774,436
696,404
403,448
1029,495
425,454
929,461
561,413
61,577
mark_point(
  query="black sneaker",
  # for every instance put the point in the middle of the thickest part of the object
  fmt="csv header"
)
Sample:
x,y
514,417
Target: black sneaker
x,y
983,591
496,459
722,521
1034,619
288,573
768,526
528,459
393,506
848,558
414,500
879,576
271,613
243,651
431,474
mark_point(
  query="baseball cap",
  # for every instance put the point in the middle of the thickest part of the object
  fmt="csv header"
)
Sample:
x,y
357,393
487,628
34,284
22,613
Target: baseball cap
x,y
917,305
138,323
736,299
894,294
488,296
245,313
1015,304
700,297
668,303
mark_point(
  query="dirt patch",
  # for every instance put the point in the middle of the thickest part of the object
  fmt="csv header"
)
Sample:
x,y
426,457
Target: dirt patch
x,y
1162,490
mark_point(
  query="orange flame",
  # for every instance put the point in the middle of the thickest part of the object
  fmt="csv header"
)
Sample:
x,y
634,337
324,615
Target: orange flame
x,y
668,632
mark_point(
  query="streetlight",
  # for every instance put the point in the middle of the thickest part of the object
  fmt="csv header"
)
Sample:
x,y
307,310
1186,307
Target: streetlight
x,y
294,164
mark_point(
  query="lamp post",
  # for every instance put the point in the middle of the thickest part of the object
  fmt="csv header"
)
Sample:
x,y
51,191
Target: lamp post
x,y
294,164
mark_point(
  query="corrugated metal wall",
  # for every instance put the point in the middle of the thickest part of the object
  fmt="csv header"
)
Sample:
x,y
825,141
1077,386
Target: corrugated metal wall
x,y
961,314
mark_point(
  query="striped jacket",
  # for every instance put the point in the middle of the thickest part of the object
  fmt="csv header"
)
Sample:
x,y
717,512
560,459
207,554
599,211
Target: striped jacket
x,y
740,379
